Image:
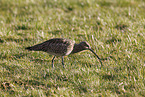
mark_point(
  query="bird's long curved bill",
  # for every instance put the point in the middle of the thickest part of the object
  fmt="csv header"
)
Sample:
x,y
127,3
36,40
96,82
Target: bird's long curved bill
x,y
96,56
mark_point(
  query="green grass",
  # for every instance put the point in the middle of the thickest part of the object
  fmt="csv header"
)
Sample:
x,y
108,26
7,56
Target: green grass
x,y
112,27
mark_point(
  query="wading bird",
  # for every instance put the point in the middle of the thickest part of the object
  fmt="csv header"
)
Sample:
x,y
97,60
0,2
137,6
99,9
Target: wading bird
x,y
62,47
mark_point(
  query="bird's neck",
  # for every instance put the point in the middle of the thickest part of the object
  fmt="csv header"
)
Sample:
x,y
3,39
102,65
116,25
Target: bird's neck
x,y
77,48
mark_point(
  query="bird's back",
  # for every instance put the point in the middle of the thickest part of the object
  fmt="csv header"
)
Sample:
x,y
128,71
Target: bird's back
x,y
55,46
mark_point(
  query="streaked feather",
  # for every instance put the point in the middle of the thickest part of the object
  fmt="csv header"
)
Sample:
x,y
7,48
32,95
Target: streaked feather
x,y
56,46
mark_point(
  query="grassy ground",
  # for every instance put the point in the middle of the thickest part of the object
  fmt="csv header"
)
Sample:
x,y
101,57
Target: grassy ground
x,y
112,27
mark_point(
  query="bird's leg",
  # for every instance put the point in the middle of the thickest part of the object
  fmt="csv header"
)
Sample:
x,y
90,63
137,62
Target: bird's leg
x,y
63,62
53,61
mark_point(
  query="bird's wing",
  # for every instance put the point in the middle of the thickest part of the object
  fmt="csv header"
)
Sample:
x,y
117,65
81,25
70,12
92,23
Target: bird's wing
x,y
57,45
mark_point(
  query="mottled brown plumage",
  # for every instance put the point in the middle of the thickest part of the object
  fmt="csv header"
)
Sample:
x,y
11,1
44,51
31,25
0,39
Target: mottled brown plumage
x,y
61,47
56,46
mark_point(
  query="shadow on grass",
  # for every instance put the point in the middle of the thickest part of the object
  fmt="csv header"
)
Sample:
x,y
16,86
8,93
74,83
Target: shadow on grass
x,y
1,41
55,32
38,60
19,40
109,76
113,40
22,27
121,26
69,9
6,86
14,56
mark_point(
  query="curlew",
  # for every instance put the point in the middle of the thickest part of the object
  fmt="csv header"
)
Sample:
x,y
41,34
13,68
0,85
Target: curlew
x,y
62,47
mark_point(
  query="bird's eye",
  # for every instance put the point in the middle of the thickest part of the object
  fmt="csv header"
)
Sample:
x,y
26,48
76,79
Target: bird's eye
x,y
65,42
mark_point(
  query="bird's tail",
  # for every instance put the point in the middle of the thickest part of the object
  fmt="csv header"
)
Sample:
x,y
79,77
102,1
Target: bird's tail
x,y
29,48
38,47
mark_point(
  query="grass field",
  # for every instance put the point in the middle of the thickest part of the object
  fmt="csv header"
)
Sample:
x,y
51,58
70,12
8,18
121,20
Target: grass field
x,y
112,27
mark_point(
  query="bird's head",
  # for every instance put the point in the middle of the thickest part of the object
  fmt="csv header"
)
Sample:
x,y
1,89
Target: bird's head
x,y
85,45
